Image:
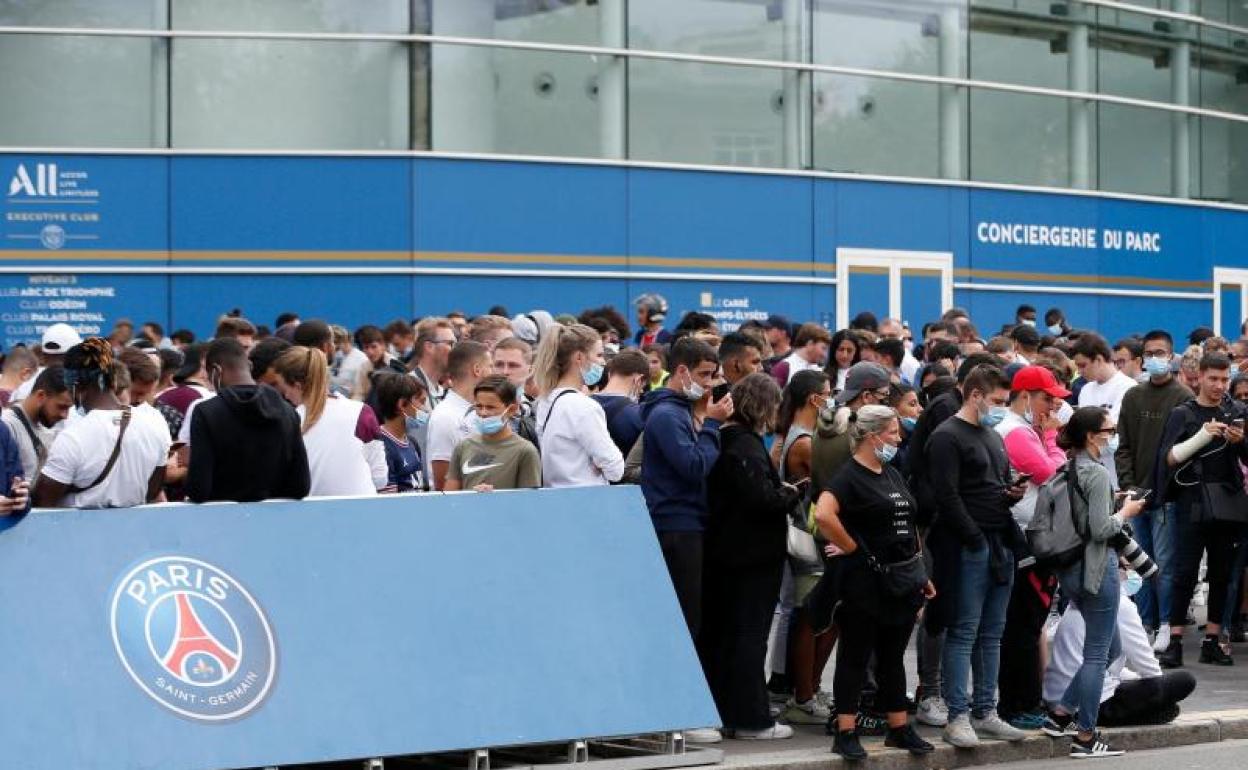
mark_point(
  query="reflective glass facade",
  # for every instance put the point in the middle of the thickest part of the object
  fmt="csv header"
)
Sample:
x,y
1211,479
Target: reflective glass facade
x,y
1057,93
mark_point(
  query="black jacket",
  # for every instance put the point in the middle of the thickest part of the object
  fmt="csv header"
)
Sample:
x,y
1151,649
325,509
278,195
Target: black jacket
x,y
748,507
246,445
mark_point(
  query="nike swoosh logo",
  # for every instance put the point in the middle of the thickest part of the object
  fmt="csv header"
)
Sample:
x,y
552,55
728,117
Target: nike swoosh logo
x,y
467,469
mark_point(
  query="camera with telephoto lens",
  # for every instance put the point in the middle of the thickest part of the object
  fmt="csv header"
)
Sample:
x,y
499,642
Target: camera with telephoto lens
x,y
1131,553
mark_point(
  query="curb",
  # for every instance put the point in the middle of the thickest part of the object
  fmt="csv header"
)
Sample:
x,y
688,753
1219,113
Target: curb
x,y
1198,727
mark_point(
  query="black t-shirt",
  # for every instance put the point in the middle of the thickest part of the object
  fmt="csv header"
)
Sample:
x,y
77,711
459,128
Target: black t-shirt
x,y
877,509
1218,461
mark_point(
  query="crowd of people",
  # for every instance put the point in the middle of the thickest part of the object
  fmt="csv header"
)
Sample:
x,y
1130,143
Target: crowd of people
x,y
811,492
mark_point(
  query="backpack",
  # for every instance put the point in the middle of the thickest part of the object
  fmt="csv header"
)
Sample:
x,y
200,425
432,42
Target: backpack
x,y
1053,533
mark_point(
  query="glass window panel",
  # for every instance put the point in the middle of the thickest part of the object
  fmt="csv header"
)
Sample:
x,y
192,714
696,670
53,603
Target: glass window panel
x,y
1019,41
898,35
1136,155
545,21
1019,139
708,27
702,113
876,126
130,14
266,94
82,91
523,102
1134,54
378,16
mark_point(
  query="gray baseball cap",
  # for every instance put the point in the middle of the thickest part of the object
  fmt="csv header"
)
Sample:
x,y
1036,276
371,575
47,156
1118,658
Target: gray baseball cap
x,y
864,375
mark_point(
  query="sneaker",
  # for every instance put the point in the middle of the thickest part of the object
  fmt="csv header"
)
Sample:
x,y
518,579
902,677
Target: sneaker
x,y
812,712
1162,642
1030,720
991,726
1173,656
959,733
906,738
774,733
933,712
1211,652
703,735
1094,747
1058,725
846,744
825,697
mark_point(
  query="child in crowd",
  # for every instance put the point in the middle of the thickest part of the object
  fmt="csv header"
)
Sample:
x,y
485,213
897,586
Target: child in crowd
x,y
496,458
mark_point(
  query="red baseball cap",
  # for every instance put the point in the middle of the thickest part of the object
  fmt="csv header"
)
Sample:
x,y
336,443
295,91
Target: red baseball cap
x,y
1038,378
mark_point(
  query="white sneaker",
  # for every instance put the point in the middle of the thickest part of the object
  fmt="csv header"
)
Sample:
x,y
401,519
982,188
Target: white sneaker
x,y
992,726
933,712
1163,638
812,712
825,697
774,733
703,735
959,733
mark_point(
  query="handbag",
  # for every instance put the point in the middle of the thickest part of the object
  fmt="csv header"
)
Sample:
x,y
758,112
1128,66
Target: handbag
x,y
1224,501
804,556
900,579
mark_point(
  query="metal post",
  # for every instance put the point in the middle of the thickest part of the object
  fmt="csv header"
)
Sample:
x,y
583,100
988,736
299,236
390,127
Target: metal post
x,y
374,764
578,752
479,760
1078,77
613,80
674,743
796,86
1181,94
951,96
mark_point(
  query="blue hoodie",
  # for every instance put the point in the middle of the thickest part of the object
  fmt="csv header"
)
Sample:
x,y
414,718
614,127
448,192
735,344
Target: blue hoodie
x,y
676,462
10,469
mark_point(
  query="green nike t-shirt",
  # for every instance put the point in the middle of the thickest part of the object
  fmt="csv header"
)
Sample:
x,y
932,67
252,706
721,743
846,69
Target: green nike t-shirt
x,y
512,463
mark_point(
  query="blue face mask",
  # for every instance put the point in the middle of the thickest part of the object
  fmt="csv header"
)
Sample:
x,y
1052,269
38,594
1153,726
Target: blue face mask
x,y
490,425
885,453
1056,330
418,422
592,375
909,423
1156,367
1132,585
994,416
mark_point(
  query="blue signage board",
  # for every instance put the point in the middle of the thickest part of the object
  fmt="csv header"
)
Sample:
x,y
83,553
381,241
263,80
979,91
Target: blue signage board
x,y
185,637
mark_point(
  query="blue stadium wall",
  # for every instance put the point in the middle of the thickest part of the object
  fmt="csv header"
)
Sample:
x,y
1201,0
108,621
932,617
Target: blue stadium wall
x,y
182,239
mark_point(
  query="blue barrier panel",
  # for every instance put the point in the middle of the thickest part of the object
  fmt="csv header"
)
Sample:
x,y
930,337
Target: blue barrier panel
x,y
279,633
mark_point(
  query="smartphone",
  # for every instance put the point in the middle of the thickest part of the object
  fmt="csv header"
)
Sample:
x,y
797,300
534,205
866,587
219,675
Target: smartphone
x,y
1140,494
1022,478
1238,422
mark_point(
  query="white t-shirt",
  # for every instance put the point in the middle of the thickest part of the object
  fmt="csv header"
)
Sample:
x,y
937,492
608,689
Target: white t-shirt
x,y
336,460
577,450
83,448
25,447
184,432
798,364
348,376
451,422
1108,395
26,387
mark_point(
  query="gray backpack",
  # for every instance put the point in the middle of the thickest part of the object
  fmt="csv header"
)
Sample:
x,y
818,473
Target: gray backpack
x,y
1053,533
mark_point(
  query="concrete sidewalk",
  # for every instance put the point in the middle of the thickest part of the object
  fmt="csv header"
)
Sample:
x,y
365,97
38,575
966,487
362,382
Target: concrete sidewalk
x,y
1216,711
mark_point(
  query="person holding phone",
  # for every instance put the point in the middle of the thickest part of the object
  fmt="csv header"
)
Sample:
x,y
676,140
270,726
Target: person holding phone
x,y
1029,432
745,550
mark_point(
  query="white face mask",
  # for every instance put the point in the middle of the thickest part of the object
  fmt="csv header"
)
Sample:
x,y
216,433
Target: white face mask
x,y
693,391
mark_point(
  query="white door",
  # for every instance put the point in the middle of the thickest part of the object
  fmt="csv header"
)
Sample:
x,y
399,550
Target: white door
x,y
914,286
1230,300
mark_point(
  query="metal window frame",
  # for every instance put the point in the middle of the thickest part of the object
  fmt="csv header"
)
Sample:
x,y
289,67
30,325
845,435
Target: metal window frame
x,y
635,53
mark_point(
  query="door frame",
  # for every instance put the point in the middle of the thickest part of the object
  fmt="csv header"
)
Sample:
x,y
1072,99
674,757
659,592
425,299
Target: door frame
x,y
1235,276
895,261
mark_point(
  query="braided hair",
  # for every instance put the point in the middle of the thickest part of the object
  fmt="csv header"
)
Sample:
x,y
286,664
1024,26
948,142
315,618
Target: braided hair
x,y
89,364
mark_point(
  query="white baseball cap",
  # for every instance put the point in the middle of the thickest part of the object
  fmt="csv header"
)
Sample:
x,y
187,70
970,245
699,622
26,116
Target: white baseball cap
x,y
59,338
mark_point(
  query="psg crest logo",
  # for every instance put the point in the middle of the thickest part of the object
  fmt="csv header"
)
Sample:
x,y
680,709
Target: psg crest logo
x,y
193,638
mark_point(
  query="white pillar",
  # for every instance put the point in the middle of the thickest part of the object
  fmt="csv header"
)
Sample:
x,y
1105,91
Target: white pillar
x,y
797,93
1181,94
952,43
613,80
463,90
1078,78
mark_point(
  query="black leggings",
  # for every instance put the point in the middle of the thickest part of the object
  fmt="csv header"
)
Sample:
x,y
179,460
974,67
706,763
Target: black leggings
x,y
1021,672
861,637
1191,539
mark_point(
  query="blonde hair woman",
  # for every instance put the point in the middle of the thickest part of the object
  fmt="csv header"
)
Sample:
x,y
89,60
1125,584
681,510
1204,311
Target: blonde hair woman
x,y
577,449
